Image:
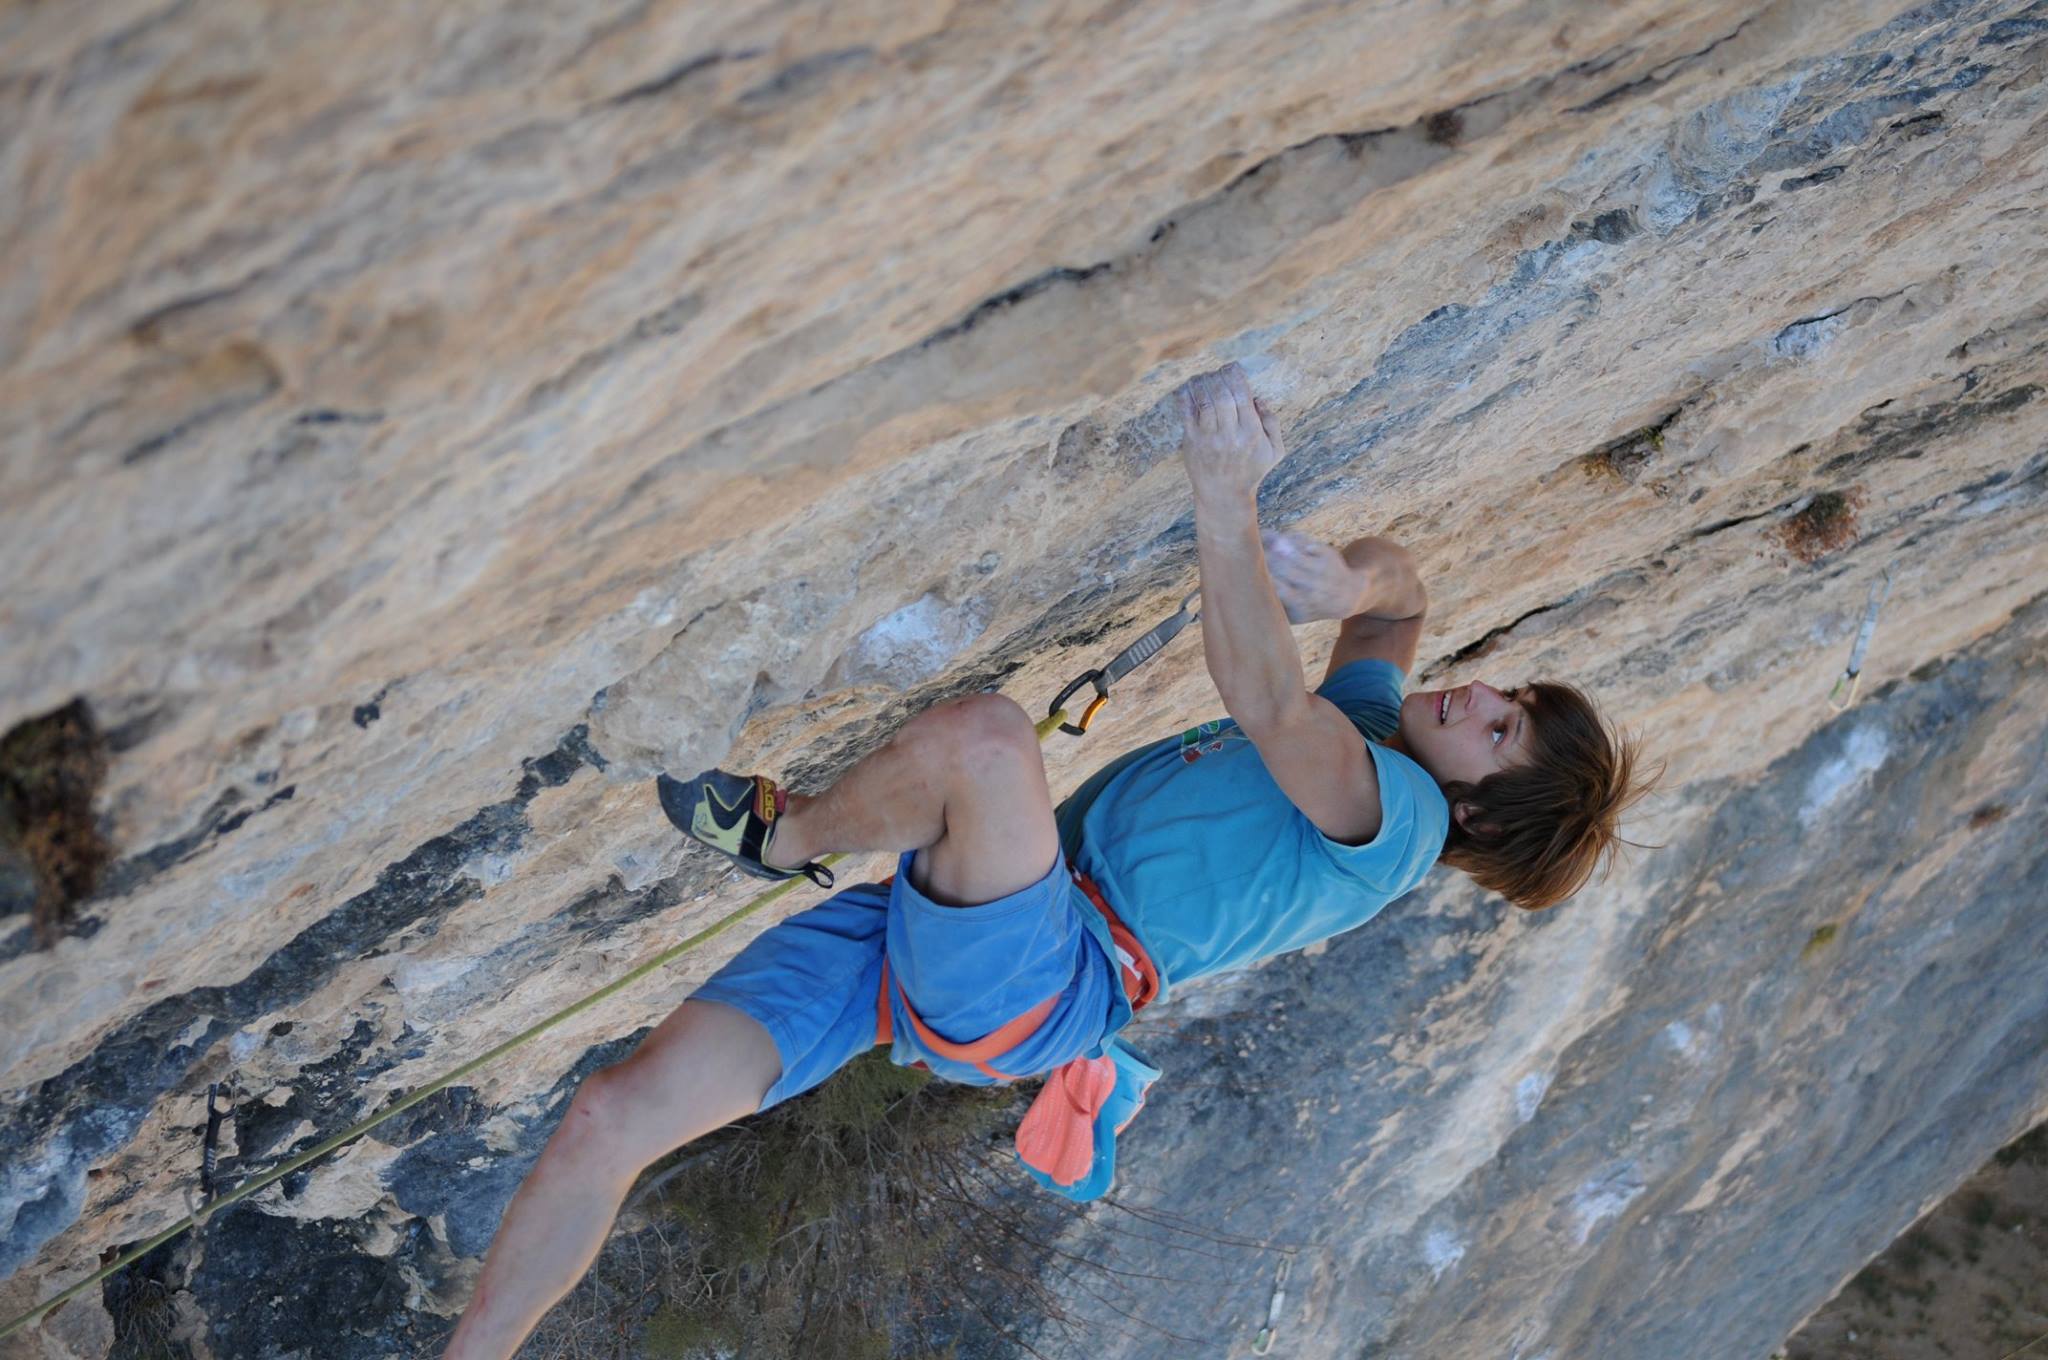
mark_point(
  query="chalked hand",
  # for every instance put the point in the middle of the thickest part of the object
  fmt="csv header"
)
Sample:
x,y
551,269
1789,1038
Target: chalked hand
x,y
1313,580
1229,439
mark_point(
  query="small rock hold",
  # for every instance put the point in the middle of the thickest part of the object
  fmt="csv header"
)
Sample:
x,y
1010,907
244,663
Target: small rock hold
x,y
1609,228
909,646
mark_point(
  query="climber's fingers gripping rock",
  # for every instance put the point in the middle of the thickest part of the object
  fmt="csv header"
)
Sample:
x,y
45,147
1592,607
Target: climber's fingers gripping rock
x,y
1229,439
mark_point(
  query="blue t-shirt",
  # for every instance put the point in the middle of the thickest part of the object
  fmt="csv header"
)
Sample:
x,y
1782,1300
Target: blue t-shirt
x,y
1203,856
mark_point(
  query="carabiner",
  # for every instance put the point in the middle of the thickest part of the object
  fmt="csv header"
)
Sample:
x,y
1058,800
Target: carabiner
x,y
1094,705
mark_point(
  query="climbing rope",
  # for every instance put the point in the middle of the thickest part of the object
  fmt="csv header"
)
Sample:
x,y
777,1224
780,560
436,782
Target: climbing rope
x,y
2029,1346
1125,661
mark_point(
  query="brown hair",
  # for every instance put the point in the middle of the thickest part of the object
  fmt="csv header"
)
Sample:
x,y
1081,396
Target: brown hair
x,y
1541,828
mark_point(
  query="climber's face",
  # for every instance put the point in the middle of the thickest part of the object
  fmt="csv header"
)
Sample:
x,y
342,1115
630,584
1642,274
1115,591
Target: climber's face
x,y
1466,734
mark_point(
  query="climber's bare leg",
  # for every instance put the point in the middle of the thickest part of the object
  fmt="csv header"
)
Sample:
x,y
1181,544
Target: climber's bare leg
x,y
962,784
704,1066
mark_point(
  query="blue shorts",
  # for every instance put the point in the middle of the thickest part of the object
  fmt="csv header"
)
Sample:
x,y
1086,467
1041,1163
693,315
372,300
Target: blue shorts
x,y
812,979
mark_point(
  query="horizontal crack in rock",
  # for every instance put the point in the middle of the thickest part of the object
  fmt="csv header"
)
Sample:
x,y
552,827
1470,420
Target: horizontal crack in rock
x,y
1657,75
670,79
1491,638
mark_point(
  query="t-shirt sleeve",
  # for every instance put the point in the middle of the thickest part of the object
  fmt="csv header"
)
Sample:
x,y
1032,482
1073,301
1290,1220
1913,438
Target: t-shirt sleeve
x,y
1369,692
1414,819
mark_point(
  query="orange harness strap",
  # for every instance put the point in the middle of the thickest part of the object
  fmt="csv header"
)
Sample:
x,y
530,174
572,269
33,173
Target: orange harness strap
x,y
1140,975
1140,979
991,1045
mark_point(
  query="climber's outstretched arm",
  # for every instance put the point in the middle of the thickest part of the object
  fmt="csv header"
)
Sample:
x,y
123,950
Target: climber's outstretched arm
x,y
1229,444
706,1065
1312,750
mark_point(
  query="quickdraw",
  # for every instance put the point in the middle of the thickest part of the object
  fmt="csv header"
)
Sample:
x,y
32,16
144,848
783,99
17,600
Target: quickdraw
x,y
1262,1344
210,1154
1852,675
201,1204
1125,661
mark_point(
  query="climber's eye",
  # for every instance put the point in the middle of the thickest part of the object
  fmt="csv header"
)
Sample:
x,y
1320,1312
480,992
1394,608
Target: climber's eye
x,y
1500,733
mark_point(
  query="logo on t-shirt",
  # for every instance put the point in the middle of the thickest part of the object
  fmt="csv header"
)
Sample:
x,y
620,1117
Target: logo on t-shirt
x,y
1207,739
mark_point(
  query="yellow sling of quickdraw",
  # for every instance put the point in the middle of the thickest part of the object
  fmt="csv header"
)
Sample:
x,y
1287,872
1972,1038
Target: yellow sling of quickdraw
x,y
1143,649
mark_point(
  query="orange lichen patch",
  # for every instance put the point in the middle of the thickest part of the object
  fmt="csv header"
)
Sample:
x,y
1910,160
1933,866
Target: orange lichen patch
x,y
1827,524
50,768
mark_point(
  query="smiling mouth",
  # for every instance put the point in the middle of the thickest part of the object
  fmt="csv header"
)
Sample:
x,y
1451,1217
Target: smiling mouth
x,y
1443,706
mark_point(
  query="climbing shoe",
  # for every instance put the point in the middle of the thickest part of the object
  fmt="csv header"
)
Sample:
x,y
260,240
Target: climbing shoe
x,y
735,815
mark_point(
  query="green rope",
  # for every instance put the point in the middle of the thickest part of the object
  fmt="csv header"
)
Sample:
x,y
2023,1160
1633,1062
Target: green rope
x,y
2029,1346
1045,728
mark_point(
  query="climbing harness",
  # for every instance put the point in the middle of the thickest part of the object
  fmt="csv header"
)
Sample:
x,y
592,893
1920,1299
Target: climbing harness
x,y
1139,975
1852,676
1124,662
1058,1132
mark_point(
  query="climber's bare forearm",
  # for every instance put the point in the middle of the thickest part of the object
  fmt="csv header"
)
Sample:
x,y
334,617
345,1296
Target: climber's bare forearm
x,y
1390,586
1245,637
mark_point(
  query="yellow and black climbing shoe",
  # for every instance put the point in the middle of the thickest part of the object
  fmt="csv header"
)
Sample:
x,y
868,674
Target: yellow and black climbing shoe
x,y
735,815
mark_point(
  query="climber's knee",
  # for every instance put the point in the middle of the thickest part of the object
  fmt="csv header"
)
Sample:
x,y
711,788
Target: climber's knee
x,y
596,1127
1001,721
985,724
1000,836
704,1066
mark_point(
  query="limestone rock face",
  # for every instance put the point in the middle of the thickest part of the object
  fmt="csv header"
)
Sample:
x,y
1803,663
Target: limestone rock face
x,y
420,424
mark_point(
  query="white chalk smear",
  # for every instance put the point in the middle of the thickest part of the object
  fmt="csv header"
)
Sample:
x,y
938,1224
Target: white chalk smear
x,y
1442,1251
1862,753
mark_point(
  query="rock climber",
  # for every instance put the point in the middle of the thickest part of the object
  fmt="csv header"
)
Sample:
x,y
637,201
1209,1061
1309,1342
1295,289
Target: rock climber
x,y
1017,937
